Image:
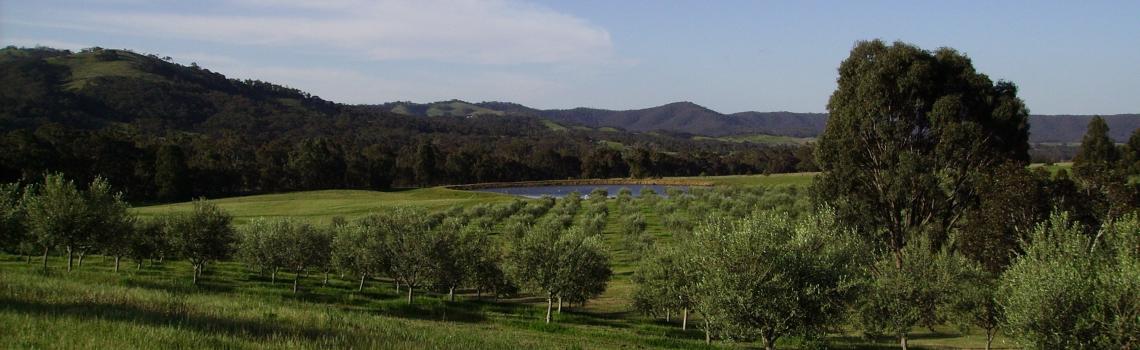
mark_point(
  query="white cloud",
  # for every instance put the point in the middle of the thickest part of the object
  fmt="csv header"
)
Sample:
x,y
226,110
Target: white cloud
x,y
467,31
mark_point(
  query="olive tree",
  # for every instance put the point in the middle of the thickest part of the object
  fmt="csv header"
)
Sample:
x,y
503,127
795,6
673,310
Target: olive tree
x,y
261,245
57,215
358,248
408,244
908,133
551,261
202,235
1072,291
305,247
767,276
665,280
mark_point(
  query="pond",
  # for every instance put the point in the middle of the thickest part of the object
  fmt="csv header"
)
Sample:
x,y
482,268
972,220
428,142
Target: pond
x,y
559,191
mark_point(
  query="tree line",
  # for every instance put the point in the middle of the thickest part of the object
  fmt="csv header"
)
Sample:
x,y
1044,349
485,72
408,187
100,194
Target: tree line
x,y
186,132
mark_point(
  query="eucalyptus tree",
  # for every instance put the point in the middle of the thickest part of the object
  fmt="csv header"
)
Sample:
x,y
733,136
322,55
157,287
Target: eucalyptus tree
x,y
202,235
909,133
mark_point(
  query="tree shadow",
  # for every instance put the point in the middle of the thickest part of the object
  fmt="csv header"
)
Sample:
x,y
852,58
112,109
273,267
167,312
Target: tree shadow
x,y
174,315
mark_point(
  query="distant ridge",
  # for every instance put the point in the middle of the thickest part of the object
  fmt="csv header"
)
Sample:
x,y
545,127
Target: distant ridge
x,y
691,118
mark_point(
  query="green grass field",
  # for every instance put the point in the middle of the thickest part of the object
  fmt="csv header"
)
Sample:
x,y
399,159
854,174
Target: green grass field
x,y
234,307
322,206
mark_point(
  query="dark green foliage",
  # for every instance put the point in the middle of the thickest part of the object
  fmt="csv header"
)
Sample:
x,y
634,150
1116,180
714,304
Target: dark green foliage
x,y
171,176
13,218
1098,154
909,131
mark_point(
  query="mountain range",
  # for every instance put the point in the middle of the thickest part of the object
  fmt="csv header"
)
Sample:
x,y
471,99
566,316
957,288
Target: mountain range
x,y
691,118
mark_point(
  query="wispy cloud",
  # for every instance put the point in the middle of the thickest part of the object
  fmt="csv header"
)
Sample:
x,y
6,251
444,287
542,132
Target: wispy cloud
x,y
467,31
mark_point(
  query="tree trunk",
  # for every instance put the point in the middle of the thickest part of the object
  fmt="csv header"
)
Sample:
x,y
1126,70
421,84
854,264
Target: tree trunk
x,y
549,306
397,286
29,256
45,258
70,258
361,287
902,341
117,263
684,319
409,295
196,269
296,277
708,332
326,282
81,254
769,342
273,276
559,304
140,265
451,293
990,338
668,312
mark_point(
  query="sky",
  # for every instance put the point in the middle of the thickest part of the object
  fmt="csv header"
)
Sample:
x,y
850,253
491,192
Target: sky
x,y
1067,57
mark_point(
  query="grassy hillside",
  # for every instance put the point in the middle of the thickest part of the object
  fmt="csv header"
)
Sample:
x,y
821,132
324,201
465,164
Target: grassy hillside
x,y
322,206
763,139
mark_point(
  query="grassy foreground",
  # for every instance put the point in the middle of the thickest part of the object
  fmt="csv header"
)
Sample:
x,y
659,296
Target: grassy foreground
x,y
236,308
157,307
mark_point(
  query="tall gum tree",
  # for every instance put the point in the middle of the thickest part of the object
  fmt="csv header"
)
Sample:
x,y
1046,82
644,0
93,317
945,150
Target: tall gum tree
x,y
909,135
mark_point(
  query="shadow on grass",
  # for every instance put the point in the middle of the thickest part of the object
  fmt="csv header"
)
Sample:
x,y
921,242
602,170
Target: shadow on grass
x,y
167,315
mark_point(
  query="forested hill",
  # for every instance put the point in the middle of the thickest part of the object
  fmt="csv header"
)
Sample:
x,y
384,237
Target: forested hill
x,y
165,131
688,117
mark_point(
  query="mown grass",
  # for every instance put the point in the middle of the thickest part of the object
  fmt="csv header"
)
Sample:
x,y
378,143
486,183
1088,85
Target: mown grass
x,y
761,139
157,307
322,206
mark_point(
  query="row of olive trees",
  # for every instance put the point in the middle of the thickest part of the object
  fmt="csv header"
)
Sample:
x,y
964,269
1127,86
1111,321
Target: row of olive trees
x,y
768,276
57,214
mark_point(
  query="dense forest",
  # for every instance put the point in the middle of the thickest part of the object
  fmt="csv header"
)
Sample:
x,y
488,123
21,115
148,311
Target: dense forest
x,y
164,131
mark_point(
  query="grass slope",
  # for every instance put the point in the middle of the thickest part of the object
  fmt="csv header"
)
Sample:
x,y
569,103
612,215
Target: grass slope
x,y
322,206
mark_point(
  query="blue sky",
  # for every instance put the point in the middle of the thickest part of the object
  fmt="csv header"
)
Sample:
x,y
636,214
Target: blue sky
x,y
1067,57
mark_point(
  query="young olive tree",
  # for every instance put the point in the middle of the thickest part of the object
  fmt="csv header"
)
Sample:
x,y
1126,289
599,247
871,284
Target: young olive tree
x,y
261,245
112,226
767,276
549,260
450,257
358,248
148,241
1072,291
408,244
666,281
202,235
57,215
305,247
